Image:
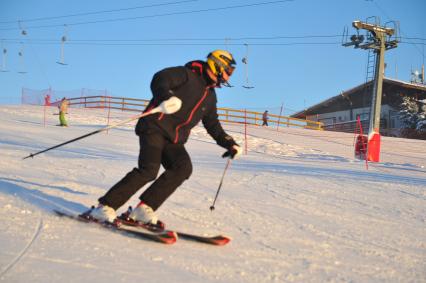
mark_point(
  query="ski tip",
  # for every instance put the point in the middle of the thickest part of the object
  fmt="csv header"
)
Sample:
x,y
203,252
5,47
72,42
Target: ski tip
x,y
221,240
169,237
173,233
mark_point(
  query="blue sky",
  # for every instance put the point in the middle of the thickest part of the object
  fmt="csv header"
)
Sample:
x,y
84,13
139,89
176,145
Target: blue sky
x,y
294,47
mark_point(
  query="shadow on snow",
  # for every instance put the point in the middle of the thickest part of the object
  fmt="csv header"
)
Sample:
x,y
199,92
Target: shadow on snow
x,y
35,197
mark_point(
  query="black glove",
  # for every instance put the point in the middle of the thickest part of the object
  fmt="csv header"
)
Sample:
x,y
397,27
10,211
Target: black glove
x,y
233,151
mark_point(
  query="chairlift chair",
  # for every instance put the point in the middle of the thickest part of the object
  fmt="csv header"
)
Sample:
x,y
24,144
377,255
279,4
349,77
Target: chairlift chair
x,y
63,40
3,66
245,62
21,60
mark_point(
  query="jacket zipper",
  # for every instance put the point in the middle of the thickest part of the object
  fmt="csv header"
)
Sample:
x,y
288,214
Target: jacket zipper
x,y
190,115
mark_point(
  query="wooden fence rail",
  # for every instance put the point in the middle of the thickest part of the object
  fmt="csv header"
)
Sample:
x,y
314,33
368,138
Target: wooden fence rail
x,y
225,114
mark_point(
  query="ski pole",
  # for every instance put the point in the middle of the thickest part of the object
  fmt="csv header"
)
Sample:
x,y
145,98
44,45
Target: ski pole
x,y
169,106
220,184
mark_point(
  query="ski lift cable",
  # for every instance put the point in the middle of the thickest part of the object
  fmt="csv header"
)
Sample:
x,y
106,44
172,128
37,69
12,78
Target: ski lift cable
x,y
402,32
99,12
124,43
227,39
223,8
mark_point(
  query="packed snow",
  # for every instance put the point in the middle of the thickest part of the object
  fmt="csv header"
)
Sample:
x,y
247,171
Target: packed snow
x,y
298,206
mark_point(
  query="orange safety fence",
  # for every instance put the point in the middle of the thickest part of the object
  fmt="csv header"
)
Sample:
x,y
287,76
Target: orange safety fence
x,y
229,115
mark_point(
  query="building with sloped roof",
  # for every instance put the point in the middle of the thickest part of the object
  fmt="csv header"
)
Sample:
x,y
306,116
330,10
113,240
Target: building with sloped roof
x,y
339,113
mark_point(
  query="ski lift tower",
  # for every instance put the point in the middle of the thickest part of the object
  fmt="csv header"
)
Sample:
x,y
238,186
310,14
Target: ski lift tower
x,y
379,39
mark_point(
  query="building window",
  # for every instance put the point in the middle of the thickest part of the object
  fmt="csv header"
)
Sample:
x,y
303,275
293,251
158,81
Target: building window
x,y
363,116
393,119
328,121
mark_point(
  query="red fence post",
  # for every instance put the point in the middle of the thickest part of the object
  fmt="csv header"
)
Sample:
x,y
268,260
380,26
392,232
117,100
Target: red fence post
x,y
81,96
109,110
44,118
361,148
279,118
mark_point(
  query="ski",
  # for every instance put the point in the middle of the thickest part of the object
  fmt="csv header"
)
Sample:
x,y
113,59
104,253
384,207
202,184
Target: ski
x,y
218,240
164,237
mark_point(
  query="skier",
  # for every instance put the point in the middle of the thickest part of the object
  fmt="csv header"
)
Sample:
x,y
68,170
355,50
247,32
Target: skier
x,y
63,108
162,137
265,118
47,100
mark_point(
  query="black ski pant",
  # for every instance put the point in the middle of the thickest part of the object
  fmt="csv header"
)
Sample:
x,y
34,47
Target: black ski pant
x,y
155,150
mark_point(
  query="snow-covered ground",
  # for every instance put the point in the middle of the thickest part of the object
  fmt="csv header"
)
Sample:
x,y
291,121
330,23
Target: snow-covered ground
x,y
298,207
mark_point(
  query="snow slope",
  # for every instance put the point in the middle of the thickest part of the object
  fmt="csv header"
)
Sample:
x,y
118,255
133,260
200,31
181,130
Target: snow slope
x,y
298,206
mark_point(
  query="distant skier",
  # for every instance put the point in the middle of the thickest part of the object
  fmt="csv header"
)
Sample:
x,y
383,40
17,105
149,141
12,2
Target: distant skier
x,y
265,118
162,137
63,109
47,100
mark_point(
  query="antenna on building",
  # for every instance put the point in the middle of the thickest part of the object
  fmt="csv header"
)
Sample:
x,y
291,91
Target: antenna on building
x,y
396,69
416,77
245,61
63,39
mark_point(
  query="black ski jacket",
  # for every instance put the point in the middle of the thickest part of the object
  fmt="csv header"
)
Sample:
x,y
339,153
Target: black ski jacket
x,y
192,85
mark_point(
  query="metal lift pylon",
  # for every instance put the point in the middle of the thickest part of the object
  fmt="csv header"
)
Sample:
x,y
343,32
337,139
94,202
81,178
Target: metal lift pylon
x,y
379,39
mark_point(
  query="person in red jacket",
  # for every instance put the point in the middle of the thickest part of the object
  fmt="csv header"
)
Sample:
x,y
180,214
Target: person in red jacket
x,y
162,136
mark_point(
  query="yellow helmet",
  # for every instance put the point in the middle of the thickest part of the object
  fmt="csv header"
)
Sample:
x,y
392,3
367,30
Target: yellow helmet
x,y
221,61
